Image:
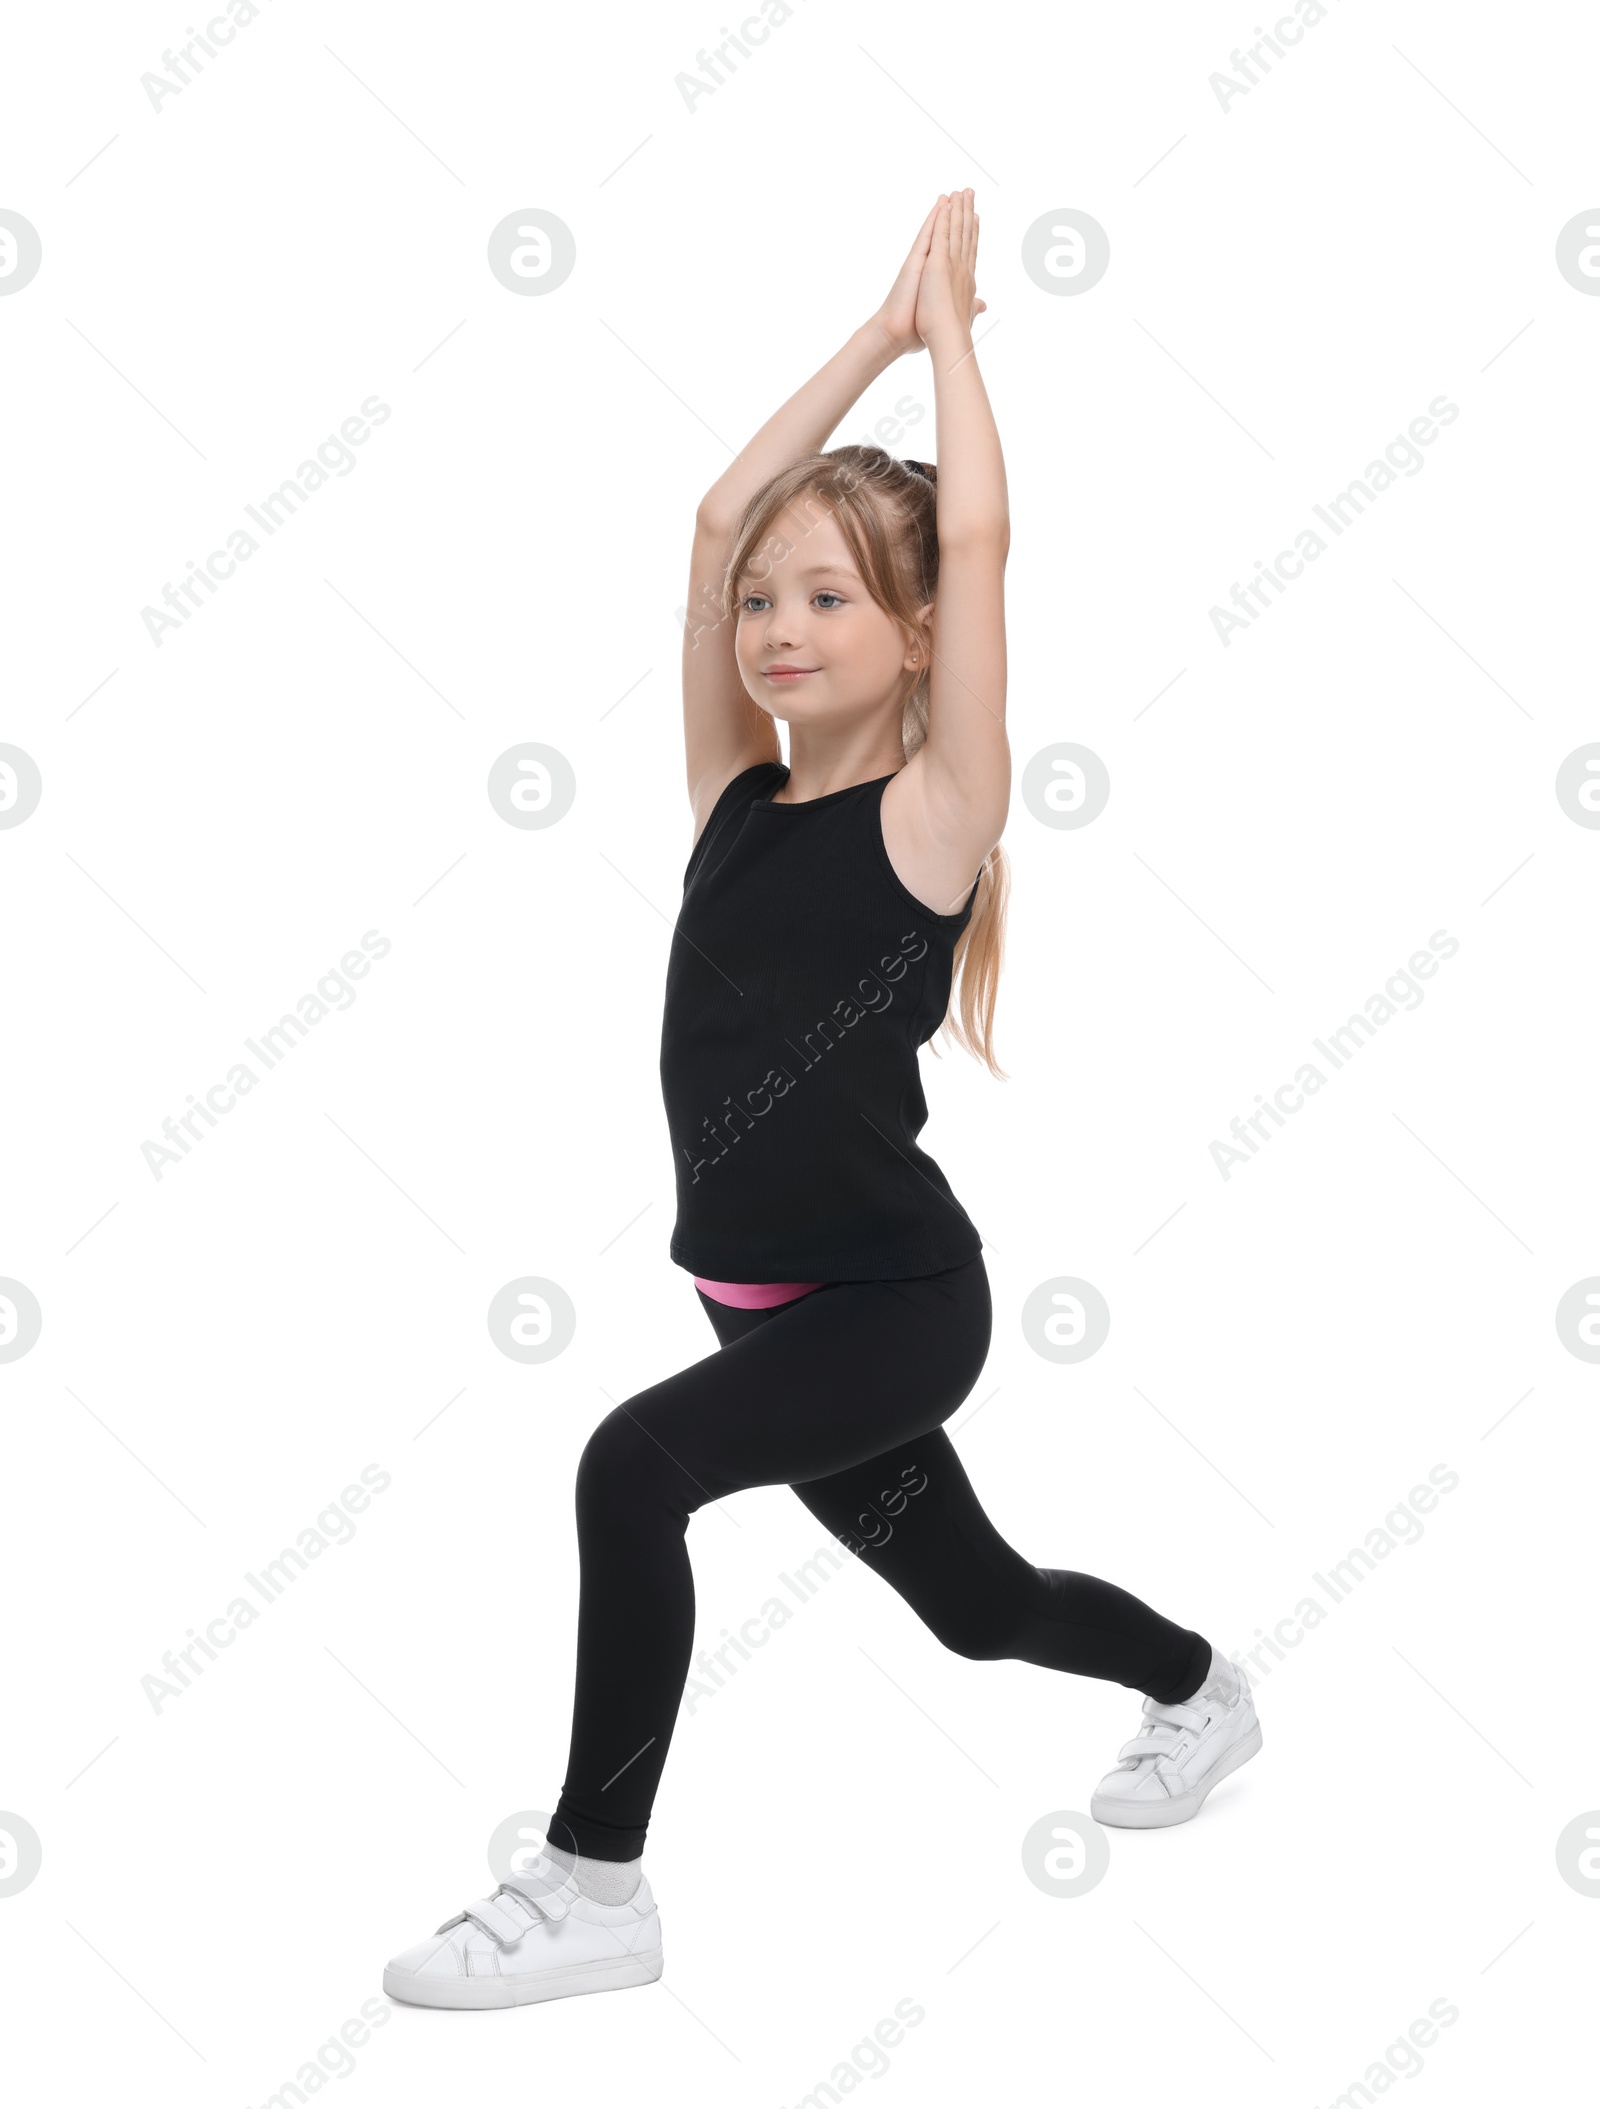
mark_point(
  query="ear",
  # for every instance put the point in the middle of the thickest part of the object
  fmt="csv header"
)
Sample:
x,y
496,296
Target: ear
x,y
919,655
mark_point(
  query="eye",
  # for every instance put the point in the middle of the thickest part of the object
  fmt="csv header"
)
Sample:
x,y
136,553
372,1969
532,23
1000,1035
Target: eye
x,y
827,593
749,597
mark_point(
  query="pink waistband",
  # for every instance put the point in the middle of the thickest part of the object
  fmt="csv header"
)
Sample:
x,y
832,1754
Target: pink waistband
x,y
754,1296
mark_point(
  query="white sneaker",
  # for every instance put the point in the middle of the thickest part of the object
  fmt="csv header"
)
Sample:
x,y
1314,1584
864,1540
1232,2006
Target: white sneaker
x,y
1180,1753
536,1938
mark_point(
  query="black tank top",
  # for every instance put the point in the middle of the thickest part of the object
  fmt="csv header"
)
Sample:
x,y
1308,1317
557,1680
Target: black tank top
x,y
802,979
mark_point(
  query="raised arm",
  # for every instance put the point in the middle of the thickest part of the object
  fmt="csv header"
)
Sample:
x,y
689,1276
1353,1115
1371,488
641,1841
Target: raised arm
x,y
947,808
724,730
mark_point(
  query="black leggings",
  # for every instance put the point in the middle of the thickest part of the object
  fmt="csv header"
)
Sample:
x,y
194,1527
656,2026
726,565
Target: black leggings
x,y
841,1395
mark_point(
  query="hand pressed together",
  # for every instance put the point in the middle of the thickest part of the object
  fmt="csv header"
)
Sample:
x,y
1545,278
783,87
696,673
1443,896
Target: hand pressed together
x,y
934,295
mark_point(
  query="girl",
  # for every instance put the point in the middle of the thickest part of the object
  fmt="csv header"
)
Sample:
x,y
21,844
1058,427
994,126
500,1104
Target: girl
x,y
829,906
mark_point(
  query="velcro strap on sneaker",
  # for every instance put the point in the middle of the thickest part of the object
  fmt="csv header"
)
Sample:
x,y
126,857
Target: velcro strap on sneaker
x,y
555,1903
1176,1714
500,1923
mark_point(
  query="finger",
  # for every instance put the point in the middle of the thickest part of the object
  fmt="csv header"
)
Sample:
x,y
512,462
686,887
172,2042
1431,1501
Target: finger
x,y
919,248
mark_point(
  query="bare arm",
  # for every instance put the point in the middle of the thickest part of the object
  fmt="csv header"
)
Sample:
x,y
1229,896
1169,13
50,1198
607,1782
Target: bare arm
x,y
724,731
947,808
804,423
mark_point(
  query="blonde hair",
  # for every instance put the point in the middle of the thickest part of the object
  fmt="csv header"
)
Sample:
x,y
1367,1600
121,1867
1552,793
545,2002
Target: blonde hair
x,y
886,513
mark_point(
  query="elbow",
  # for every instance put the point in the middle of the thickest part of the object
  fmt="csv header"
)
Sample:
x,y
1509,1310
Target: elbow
x,y
713,519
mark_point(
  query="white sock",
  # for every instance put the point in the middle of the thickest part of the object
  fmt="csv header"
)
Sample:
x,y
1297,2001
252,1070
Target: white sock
x,y
601,1881
1222,1678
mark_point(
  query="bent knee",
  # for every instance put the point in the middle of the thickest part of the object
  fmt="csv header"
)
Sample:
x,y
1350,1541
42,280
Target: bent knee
x,y
622,1468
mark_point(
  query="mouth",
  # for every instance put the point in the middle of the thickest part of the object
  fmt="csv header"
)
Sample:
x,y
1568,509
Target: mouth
x,y
790,673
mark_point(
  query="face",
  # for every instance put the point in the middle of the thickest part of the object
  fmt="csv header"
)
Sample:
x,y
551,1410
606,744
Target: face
x,y
811,642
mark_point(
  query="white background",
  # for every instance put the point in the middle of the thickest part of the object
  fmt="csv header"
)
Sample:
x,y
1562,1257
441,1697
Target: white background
x,y
1292,1348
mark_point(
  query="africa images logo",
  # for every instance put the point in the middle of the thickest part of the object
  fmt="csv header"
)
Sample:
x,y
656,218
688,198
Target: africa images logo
x,y
778,1082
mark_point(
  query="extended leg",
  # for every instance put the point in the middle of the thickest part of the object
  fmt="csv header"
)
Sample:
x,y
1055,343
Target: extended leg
x,y
913,1517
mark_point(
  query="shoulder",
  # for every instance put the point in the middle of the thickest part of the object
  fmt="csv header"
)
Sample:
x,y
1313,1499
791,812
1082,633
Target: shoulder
x,y
713,804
